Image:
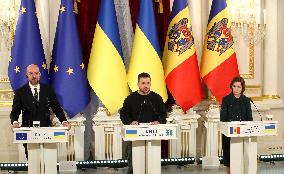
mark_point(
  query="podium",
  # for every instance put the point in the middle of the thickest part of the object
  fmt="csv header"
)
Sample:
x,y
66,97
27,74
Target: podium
x,y
42,147
146,145
243,144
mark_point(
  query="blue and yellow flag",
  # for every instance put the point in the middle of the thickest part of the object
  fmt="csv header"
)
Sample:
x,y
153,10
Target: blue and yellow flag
x,y
146,54
106,71
27,47
68,76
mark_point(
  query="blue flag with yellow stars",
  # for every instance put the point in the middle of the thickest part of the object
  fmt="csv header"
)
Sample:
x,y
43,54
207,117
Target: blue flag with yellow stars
x,y
27,47
68,76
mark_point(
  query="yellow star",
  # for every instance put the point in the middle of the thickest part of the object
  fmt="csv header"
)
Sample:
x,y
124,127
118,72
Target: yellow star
x,y
10,59
17,69
70,71
62,9
82,66
44,66
56,68
23,10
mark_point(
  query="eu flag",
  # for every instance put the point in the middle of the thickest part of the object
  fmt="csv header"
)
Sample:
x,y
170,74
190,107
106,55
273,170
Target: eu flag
x,y
27,47
68,76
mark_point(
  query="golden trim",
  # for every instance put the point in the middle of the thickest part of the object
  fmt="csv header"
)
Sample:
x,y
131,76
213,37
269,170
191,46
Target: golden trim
x,y
253,86
271,96
263,97
6,90
6,103
161,6
212,98
250,75
4,80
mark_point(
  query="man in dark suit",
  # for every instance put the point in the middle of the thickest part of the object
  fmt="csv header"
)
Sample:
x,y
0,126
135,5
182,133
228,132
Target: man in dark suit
x,y
34,101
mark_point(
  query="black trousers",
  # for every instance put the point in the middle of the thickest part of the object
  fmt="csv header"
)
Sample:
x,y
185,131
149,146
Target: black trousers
x,y
226,150
26,149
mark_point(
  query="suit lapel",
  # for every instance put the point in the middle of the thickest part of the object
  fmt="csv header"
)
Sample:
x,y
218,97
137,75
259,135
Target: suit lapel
x,y
28,92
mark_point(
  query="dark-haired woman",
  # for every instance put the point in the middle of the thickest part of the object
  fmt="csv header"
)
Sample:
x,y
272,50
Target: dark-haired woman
x,y
235,107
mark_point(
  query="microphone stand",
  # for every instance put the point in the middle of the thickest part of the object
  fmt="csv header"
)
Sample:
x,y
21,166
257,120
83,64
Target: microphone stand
x,y
256,109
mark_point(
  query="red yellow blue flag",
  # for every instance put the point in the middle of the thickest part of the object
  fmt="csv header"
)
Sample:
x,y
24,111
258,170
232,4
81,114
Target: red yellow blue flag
x,y
106,71
180,59
219,63
146,54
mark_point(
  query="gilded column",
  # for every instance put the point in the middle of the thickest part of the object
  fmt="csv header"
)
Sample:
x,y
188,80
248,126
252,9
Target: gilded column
x,y
270,51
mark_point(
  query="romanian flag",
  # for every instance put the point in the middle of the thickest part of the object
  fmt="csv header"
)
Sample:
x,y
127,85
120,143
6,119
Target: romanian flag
x,y
146,54
180,59
219,63
106,71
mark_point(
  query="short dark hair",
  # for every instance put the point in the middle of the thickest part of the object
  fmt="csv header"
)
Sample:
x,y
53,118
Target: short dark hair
x,y
143,75
238,79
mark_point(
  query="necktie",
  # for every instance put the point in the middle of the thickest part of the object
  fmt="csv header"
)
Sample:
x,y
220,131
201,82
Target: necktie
x,y
36,94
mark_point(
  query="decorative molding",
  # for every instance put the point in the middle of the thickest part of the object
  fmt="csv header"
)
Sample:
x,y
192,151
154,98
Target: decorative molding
x,y
4,80
6,97
253,86
271,97
212,98
5,103
250,75
263,97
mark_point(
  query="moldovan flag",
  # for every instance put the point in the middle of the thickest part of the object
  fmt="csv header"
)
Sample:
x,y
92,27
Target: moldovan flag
x,y
146,54
106,71
219,63
180,59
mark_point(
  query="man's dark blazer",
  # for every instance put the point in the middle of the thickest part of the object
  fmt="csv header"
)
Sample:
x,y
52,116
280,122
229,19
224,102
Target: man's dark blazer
x,y
33,110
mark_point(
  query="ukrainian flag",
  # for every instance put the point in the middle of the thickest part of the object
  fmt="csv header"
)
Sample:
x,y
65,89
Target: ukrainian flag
x,y
219,63
146,54
59,135
106,71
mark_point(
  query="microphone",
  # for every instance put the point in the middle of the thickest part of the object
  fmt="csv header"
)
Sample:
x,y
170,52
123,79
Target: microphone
x,y
161,120
256,108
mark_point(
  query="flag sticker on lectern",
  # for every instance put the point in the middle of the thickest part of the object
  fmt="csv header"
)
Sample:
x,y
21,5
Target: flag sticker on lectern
x,y
270,128
21,136
59,135
130,133
235,130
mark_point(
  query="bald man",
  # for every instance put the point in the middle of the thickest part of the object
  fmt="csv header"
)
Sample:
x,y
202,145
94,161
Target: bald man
x,y
34,101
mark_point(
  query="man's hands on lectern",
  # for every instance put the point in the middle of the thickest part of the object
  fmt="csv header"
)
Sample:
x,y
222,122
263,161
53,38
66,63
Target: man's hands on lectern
x,y
67,124
154,122
15,125
134,123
